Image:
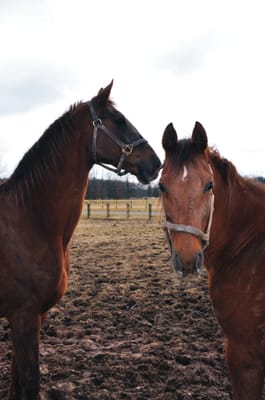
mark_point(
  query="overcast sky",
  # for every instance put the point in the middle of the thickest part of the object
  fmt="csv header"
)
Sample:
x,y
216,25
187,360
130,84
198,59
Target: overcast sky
x,y
171,61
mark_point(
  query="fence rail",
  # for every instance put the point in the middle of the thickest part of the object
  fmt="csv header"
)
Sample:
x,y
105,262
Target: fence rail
x,y
147,208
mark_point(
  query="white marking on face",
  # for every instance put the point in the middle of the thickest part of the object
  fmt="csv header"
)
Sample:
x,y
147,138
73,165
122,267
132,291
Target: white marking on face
x,y
185,173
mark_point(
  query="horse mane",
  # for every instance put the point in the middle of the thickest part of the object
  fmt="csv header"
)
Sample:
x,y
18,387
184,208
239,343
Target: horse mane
x,y
225,167
239,187
42,158
229,172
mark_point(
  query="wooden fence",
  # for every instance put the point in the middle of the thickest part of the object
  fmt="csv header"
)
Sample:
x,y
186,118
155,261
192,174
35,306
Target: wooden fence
x,y
147,209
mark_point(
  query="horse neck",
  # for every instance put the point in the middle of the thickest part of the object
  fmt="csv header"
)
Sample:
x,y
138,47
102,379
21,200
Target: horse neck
x,y
235,227
66,191
52,197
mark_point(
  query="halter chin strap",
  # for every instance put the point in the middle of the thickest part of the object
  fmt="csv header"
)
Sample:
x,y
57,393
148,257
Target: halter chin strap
x,y
126,148
204,236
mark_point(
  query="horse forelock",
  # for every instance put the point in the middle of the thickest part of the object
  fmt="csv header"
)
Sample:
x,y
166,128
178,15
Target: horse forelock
x,y
182,154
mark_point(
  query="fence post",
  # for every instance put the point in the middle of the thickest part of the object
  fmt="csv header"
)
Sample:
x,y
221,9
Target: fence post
x,y
108,210
149,211
88,210
128,210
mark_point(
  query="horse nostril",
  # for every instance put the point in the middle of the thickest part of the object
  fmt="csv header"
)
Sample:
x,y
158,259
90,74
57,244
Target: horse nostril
x,y
184,268
199,261
177,263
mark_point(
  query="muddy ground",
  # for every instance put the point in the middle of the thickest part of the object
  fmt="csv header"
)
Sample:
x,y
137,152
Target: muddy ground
x,y
128,327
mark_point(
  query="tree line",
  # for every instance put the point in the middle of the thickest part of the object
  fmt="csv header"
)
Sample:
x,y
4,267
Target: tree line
x,y
123,189
107,188
118,189
260,179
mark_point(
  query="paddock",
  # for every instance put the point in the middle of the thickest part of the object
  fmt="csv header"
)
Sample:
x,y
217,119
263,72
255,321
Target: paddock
x,y
128,326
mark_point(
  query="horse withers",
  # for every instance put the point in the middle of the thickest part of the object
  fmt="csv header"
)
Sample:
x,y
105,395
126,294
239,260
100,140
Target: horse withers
x,y
40,205
215,217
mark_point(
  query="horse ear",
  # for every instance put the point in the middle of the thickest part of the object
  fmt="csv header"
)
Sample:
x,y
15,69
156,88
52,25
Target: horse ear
x,y
103,94
170,138
199,137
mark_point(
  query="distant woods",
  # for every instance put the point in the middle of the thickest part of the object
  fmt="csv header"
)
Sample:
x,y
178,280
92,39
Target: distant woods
x,y
260,179
118,189
107,188
123,188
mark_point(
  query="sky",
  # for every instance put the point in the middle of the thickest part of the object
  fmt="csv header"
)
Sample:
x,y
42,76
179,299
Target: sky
x,y
176,61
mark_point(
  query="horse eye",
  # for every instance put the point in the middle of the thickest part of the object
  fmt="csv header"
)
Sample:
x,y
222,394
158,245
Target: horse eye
x,y
162,188
209,186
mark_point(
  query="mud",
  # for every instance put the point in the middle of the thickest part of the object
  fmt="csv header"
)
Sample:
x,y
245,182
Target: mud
x,y
128,327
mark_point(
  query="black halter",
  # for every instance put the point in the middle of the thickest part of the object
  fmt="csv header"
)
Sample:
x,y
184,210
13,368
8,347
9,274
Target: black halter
x,y
126,148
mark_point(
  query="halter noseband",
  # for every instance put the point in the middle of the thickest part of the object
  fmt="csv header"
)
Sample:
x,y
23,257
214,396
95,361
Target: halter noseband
x,y
204,236
126,148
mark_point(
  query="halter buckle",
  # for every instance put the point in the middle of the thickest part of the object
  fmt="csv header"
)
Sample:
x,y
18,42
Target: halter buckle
x,y
127,149
97,123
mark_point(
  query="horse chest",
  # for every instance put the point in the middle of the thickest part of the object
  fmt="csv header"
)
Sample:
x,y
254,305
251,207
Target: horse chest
x,y
31,271
239,306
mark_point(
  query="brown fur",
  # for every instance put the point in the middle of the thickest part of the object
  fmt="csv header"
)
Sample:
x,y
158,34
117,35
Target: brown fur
x,y
40,206
235,258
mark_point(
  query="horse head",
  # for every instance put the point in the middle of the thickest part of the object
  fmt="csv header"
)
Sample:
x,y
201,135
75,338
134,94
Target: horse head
x,y
118,143
186,189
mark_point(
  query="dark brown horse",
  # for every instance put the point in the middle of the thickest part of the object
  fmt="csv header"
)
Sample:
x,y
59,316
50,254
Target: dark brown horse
x,y
211,209
40,206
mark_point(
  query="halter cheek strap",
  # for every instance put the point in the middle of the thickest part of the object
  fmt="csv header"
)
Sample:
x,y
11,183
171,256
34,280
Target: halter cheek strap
x,y
126,148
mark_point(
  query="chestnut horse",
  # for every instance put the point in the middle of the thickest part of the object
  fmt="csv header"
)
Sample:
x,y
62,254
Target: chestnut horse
x,y
40,206
211,210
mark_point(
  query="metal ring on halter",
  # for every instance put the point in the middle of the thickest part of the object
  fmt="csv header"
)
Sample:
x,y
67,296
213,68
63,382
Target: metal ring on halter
x,y
97,123
127,149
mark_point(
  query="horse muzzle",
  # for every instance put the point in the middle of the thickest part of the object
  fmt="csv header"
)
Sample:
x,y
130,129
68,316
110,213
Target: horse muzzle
x,y
192,266
148,171
192,261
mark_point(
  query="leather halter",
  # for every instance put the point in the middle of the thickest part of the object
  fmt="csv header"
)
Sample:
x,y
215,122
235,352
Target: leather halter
x,y
126,148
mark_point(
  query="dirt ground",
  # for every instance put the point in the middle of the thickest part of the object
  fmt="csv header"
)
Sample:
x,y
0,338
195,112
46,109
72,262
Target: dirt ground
x,y
128,327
